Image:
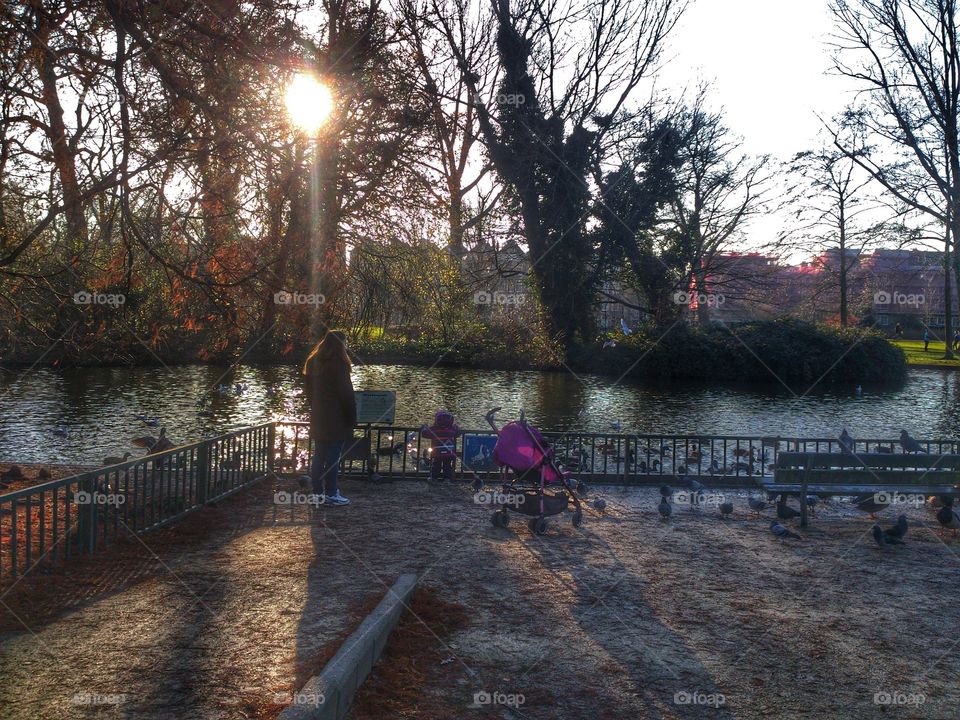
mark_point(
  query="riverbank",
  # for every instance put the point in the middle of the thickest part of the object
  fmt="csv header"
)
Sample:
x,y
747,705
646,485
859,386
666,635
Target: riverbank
x,y
932,357
775,353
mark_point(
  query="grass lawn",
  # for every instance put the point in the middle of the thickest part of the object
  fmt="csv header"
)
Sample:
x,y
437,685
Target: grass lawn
x,y
933,356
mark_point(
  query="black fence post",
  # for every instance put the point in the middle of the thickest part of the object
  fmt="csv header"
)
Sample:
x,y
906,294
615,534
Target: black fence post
x,y
202,472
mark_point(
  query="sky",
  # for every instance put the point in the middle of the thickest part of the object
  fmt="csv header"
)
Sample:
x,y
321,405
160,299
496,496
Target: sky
x,y
766,62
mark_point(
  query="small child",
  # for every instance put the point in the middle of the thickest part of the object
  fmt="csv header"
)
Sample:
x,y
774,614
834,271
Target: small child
x,y
443,435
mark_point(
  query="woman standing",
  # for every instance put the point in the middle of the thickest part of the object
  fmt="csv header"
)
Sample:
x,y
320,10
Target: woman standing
x,y
333,411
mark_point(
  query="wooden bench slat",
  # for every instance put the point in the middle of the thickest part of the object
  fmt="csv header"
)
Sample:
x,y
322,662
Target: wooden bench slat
x,y
789,460
814,489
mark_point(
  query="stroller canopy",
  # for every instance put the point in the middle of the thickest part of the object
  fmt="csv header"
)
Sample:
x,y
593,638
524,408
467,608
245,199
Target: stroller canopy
x,y
521,448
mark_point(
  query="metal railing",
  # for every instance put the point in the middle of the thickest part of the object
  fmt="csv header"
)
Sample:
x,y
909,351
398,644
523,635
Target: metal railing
x,y
54,521
400,452
57,520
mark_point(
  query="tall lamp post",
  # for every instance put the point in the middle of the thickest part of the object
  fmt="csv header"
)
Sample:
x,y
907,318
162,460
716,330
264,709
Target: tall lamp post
x,y
310,103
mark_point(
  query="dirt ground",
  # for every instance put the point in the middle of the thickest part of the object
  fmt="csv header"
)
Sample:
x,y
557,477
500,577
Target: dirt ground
x,y
626,617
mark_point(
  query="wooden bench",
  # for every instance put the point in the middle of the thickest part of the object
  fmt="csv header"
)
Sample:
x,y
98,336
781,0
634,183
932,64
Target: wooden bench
x,y
798,473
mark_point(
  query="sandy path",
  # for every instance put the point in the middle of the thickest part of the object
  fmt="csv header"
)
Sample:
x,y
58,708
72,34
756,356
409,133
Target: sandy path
x,y
621,618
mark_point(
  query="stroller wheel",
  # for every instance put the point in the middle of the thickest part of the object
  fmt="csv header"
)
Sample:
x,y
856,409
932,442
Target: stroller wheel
x,y
537,525
577,518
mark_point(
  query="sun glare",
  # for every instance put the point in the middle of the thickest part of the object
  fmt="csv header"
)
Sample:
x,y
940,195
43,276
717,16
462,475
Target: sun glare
x,y
309,103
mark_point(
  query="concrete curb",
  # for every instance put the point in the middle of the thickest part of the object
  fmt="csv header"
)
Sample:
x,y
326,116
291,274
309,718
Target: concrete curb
x,y
327,696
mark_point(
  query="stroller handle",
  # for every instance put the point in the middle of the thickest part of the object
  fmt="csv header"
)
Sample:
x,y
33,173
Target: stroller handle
x,y
489,417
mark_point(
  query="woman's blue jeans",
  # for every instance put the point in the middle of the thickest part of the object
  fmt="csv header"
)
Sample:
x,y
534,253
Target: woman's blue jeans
x,y
325,466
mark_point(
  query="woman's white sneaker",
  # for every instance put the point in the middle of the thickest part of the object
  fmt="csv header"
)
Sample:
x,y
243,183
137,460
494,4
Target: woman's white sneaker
x,y
337,499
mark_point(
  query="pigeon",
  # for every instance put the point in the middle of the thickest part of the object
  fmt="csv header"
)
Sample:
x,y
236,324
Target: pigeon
x,y
784,511
726,508
695,486
665,491
908,444
896,533
812,502
846,442
664,508
600,505
780,531
757,504
608,343
879,537
870,505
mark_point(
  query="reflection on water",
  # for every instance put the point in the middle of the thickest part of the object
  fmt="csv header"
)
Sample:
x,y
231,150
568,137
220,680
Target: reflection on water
x,y
98,407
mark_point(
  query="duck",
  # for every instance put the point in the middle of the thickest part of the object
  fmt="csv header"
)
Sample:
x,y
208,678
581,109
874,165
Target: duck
x,y
12,474
615,426
148,421
114,460
394,449
870,505
726,509
948,517
741,452
61,432
694,457
154,444
44,474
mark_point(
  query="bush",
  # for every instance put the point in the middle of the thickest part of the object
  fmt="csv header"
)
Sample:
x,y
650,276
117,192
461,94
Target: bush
x,y
788,351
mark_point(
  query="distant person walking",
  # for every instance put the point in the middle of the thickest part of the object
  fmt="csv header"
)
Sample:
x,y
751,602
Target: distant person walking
x,y
899,330
333,412
956,339
926,340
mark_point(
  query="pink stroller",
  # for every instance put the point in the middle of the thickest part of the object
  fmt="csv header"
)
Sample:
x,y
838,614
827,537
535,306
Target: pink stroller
x,y
521,448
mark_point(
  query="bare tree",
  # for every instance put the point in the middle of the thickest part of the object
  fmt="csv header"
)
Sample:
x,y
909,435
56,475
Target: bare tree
x,y
566,73
720,188
905,54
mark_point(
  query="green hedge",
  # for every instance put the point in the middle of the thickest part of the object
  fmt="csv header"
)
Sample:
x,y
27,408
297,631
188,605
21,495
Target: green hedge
x,y
788,351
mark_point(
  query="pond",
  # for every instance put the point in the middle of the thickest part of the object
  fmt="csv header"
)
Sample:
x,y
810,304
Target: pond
x,y
98,407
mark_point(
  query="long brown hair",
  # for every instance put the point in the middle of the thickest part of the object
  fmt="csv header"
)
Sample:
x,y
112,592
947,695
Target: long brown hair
x,y
331,348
